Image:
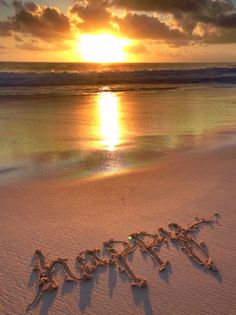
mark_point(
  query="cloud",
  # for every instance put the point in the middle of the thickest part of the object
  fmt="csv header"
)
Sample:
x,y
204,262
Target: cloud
x,y
35,45
4,3
222,20
154,5
148,27
30,47
198,7
47,23
177,22
31,7
221,13
17,38
5,28
223,37
187,14
93,16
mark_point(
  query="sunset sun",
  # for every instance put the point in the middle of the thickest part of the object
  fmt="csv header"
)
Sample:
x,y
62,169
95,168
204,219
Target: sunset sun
x,y
102,48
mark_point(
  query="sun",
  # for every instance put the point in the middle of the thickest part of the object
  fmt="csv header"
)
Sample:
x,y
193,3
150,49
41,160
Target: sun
x,y
102,48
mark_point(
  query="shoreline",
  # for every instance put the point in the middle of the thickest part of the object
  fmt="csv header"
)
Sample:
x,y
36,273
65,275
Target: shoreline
x,y
71,91
211,140
65,217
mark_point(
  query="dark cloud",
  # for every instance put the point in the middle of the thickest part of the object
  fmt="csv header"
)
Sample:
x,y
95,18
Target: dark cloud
x,y
32,7
222,20
155,5
171,5
4,3
173,21
47,23
220,13
94,15
5,28
187,14
143,26
223,37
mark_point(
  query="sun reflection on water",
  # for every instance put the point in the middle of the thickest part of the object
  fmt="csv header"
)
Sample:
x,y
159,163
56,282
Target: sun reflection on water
x,y
110,129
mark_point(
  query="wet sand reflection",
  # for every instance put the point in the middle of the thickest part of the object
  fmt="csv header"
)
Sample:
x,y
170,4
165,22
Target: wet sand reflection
x,y
109,120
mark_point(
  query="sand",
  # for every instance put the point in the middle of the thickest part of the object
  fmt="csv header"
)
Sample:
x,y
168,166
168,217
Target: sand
x,y
64,217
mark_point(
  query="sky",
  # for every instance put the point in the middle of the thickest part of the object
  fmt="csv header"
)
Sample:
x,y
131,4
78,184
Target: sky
x,y
118,30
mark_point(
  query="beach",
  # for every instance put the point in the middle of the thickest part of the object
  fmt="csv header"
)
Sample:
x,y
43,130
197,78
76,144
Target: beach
x,y
66,217
117,157
84,165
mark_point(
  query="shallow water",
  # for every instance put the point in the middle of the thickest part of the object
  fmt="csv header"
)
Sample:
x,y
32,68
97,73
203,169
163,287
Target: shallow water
x,y
109,131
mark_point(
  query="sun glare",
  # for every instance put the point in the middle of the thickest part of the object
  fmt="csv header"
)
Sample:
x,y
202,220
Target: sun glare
x,y
109,120
102,48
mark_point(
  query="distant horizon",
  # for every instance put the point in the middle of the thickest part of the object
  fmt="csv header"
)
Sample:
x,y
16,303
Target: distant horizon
x,y
122,62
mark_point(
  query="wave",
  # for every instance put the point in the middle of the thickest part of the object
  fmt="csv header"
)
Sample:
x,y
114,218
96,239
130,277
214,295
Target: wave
x,y
219,75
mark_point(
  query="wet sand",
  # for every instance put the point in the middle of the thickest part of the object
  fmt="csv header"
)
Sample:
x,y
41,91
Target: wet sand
x,y
65,217
108,133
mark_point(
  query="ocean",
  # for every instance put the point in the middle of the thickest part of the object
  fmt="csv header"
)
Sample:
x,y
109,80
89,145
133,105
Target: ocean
x,y
83,78
80,120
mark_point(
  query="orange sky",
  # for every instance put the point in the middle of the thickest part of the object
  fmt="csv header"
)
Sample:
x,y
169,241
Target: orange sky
x,y
148,31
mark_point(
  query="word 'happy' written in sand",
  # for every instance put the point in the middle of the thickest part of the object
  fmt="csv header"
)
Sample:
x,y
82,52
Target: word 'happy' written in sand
x,y
90,260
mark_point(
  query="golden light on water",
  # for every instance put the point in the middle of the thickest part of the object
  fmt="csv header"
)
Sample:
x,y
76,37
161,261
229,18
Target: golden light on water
x,y
110,128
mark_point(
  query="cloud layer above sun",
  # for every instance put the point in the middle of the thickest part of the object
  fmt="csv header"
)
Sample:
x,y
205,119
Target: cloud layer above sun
x,y
156,28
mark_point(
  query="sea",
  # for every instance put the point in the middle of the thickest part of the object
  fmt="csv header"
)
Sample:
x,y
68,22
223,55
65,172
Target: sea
x,y
77,120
